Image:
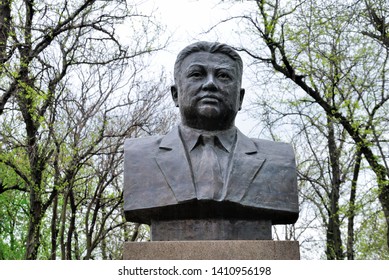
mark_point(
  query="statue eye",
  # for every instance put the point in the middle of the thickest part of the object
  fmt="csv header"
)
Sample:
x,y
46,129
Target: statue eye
x,y
223,76
195,74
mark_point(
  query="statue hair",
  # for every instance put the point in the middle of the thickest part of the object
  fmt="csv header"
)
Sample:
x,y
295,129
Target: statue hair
x,y
211,47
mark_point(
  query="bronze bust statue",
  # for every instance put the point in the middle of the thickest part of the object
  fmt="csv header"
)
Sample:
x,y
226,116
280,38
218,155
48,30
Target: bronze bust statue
x,y
205,179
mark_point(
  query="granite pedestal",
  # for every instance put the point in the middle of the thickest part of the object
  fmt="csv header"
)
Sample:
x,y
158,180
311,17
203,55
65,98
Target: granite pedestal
x,y
212,250
210,229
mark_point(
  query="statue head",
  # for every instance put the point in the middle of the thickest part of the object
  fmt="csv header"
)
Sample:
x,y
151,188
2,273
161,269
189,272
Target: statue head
x,y
207,89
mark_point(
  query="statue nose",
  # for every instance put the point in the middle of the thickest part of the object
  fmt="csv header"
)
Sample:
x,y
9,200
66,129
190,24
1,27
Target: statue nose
x,y
209,84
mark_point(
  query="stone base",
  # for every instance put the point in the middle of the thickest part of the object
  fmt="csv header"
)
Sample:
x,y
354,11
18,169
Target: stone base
x,y
212,250
210,229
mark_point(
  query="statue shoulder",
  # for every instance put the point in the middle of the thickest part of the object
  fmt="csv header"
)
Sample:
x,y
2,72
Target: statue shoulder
x,y
269,147
142,144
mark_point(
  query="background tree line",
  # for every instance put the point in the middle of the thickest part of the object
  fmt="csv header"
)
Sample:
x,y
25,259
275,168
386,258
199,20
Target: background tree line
x,y
72,89
324,69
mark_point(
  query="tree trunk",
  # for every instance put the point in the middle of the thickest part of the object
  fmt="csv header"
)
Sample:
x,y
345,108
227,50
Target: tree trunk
x,y
35,220
334,241
351,211
54,230
103,245
36,204
5,16
5,13
63,225
384,199
72,226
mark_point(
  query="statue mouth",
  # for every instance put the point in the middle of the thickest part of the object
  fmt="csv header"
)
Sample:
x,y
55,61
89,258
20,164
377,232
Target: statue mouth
x,y
209,98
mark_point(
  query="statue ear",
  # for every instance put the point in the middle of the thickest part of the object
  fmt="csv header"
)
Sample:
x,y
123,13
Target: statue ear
x,y
241,96
174,92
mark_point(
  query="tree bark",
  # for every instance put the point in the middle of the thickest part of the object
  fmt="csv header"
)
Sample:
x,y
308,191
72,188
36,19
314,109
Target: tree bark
x,y
33,236
5,19
334,249
351,210
54,230
72,225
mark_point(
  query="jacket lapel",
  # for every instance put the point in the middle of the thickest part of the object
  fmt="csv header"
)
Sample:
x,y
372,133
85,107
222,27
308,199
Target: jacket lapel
x,y
246,164
174,165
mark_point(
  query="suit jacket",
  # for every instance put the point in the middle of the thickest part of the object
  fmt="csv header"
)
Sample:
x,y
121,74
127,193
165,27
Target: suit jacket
x,y
159,183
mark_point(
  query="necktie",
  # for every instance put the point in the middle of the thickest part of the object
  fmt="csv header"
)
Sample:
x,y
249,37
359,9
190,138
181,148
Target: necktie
x,y
209,179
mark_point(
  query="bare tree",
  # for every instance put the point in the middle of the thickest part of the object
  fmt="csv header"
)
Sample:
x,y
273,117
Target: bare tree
x,y
320,47
64,73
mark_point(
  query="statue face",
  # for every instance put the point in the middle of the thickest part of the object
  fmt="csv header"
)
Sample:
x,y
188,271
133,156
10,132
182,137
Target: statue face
x,y
208,91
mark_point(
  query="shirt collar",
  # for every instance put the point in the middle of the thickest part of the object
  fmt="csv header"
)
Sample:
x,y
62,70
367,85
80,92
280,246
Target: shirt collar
x,y
191,137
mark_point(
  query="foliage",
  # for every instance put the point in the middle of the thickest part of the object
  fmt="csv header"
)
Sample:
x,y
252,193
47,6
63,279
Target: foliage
x,y
13,213
71,91
333,106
